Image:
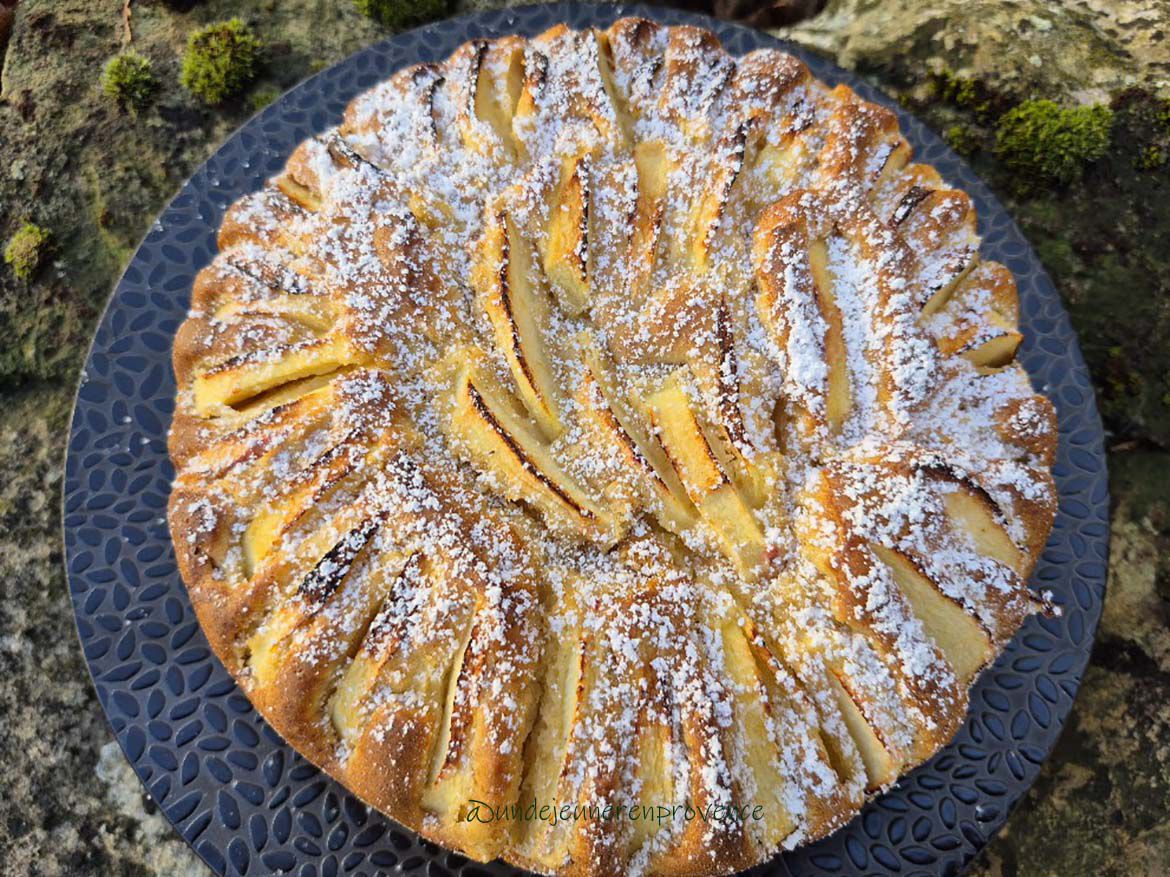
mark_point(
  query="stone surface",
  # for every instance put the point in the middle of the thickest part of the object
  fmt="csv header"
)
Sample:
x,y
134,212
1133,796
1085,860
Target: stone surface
x,y
1084,49
71,161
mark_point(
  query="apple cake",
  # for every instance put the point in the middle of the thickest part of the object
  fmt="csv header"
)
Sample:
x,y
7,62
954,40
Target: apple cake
x,y
608,454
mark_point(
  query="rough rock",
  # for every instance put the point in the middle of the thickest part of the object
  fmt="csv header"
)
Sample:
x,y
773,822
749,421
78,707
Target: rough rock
x,y
1083,49
1099,806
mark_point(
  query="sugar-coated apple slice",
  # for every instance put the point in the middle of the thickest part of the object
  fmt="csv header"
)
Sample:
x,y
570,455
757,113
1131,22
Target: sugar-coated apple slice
x,y
510,295
678,427
243,378
708,208
957,633
797,304
642,454
487,427
566,240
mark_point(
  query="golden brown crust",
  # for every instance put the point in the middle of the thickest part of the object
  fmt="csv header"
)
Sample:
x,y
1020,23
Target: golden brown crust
x,y
598,421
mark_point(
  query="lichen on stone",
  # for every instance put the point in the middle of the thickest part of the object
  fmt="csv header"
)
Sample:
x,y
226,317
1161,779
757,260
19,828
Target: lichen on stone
x,y
221,59
26,249
1039,138
401,13
129,79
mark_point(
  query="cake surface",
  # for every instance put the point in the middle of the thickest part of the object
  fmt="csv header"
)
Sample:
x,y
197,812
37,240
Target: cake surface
x,y
607,454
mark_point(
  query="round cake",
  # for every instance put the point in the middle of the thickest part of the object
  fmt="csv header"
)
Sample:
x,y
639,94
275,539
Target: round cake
x,y
607,454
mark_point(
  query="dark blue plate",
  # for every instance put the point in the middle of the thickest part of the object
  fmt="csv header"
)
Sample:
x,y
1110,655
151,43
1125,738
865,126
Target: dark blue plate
x,y
243,798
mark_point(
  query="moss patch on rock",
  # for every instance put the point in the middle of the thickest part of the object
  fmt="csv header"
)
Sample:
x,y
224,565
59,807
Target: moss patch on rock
x,y
402,13
262,97
129,80
26,249
1040,138
220,61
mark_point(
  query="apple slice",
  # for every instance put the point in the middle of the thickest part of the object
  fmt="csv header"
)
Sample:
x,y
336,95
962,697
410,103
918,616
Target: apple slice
x,y
311,311
531,88
708,208
502,278
287,393
995,352
783,164
299,194
957,633
296,656
940,222
881,766
839,397
790,255
719,382
863,142
800,728
389,705
605,69
492,433
972,512
561,704
297,495
663,491
495,97
979,320
652,163
678,428
488,711
566,243
242,378
755,711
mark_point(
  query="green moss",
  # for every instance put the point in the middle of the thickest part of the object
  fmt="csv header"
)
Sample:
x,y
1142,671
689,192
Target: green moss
x,y
129,79
27,249
1164,115
1042,139
1151,158
262,97
962,139
957,90
221,59
966,94
402,13
1141,130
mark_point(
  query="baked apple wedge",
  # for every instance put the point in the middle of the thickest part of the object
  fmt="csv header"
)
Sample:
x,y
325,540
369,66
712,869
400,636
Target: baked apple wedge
x,y
487,427
980,319
972,512
791,258
511,297
566,241
603,404
957,633
707,210
653,165
677,425
244,377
